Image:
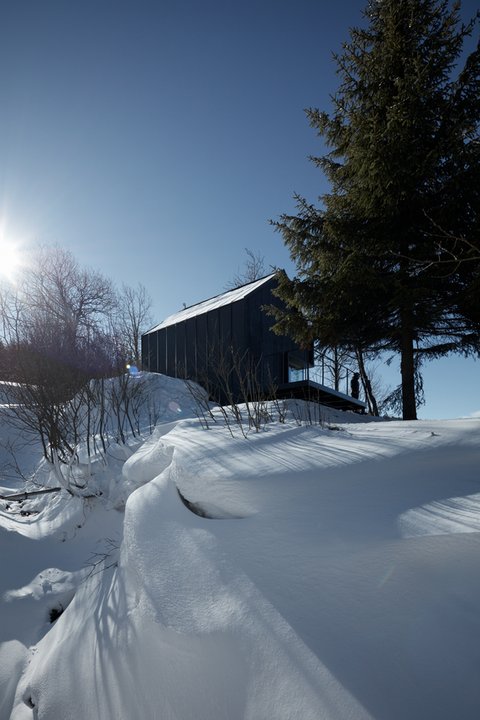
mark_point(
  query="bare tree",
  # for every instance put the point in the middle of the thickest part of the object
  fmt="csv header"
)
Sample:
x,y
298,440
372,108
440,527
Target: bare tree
x,y
133,317
366,376
253,269
335,363
11,313
60,331
56,289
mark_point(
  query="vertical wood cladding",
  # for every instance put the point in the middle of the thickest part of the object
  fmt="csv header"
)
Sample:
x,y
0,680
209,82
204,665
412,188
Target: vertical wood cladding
x,y
206,345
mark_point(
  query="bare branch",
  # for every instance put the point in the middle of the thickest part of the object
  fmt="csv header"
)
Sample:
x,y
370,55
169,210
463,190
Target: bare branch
x,y
253,269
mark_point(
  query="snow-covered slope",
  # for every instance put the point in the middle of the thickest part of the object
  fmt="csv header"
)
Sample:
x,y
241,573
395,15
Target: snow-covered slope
x,y
307,571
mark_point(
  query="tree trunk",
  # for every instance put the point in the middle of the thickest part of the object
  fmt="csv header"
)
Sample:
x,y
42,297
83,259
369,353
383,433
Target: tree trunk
x,y
369,396
336,369
407,369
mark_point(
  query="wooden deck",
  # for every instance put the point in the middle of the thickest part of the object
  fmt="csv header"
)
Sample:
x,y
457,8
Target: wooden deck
x,y
310,390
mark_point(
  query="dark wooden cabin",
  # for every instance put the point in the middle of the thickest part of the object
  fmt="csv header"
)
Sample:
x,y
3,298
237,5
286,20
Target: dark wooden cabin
x,y
226,344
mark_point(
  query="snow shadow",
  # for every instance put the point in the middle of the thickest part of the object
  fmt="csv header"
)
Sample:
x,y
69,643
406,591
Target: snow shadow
x,y
394,619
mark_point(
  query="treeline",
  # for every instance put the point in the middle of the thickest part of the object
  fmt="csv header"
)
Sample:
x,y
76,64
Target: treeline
x,y
60,320
67,335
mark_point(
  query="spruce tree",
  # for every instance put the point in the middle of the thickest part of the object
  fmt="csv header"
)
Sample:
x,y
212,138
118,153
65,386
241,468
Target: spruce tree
x,y
384,263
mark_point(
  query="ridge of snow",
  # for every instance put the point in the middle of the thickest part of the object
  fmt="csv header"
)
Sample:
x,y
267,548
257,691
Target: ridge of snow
x,y
338,579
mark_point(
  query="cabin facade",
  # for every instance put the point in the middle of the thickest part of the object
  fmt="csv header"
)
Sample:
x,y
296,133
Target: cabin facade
x,y
226,345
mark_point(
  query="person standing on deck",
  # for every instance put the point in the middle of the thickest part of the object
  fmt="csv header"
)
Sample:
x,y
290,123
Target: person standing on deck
x,y
355,385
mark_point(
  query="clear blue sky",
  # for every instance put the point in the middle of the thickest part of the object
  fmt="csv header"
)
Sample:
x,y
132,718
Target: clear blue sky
x,y
155,140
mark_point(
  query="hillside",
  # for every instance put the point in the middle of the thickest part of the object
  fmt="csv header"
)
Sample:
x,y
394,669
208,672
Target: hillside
x,y
326,569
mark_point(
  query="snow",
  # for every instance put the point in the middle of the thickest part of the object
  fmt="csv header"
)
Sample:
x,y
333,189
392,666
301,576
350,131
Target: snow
x,y
332,572
226,298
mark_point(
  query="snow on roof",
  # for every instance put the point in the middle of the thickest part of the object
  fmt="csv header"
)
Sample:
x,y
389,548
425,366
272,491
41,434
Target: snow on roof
x,y
213,303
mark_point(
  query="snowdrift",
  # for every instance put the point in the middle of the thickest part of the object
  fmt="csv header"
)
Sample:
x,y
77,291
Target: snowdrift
x,y
305,571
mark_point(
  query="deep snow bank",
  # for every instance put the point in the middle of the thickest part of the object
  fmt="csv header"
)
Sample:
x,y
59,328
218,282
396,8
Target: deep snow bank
x,y
340,579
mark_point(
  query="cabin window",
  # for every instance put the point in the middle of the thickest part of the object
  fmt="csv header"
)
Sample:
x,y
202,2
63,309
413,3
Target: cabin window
x,y
298,365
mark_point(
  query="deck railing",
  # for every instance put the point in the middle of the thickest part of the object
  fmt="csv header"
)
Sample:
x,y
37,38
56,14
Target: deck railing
x,y
327,371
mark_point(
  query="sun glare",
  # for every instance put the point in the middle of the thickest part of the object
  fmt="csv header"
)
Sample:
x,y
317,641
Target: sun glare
x,y
10,260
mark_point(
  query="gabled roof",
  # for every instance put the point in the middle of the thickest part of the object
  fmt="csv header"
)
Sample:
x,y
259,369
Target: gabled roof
x,y
213,303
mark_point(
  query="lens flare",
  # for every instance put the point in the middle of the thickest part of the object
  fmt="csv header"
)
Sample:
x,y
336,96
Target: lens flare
x,y
10,260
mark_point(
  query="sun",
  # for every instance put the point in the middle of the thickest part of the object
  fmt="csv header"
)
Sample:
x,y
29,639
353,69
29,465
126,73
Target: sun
x,y
10,260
